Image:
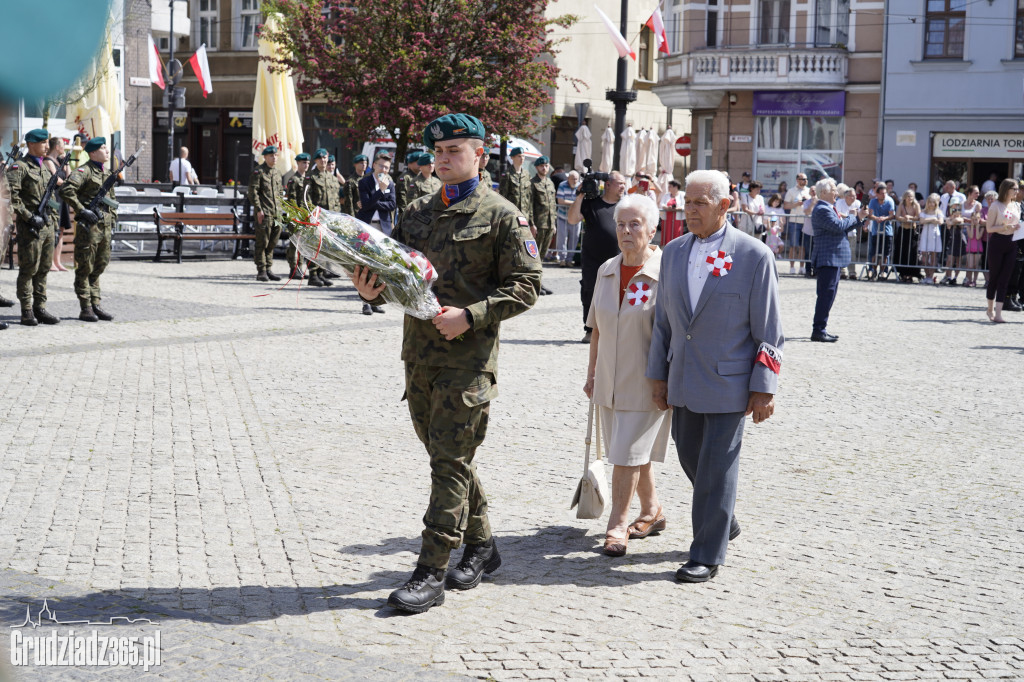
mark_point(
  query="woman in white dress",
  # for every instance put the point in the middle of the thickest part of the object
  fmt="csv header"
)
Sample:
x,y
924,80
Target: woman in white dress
x,y
931,238
622,316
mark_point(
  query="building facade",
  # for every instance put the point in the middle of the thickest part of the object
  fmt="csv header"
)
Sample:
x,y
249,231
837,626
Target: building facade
x,y
953,104
778,87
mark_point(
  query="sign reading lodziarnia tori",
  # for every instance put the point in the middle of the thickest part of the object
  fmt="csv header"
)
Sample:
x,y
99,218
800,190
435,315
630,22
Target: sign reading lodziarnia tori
x,y
978,145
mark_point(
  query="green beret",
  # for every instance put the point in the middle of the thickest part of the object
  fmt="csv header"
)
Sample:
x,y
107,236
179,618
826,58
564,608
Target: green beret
x,y
330,159
37,135
426,159
94,144
412,157
451,127
302,157
269,149
358,158
515,151
320,153
540,160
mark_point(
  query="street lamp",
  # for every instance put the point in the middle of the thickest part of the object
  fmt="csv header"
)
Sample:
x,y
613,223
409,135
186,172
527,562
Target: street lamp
x,y
620,95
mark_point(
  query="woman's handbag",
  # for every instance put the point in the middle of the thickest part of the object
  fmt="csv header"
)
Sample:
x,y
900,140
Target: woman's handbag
x,y
592,490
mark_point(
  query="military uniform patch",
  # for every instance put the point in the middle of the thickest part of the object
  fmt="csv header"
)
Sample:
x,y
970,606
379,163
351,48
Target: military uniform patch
x,y
531,247
524,222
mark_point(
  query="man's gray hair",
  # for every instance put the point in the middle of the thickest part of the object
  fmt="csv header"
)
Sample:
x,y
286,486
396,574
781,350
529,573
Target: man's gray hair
x,y
644,205
572,174
717,182
842,188
823,185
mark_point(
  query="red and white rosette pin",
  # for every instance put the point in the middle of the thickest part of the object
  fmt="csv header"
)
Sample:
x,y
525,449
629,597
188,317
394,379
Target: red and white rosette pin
x,y
719,263
638,293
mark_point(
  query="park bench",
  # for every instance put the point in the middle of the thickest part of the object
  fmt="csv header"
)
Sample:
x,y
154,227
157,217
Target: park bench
x,y
202,227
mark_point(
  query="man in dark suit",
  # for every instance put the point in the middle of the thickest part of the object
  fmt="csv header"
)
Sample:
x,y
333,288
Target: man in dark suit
x,y
716,352
377,195
831,252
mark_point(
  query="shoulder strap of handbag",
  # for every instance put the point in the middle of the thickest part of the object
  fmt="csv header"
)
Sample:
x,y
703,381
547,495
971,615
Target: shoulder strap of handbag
x,y
590,435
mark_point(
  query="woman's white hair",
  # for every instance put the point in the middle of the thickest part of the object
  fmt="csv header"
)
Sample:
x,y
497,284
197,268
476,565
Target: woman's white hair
x,y
644,205
823,185
842,188
717,182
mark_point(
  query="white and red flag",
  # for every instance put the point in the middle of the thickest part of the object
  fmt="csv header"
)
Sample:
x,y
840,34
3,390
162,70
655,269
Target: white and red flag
x,y
156,69
657,27
621,45
202,68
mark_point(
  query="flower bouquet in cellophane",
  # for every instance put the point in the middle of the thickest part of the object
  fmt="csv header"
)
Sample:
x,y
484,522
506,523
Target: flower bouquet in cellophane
x,y
338,242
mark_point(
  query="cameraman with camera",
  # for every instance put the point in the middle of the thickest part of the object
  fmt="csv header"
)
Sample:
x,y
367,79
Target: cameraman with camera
x,y
599,241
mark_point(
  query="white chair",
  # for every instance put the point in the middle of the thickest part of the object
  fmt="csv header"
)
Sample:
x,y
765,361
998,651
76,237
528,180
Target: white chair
x,y
152,191
181,189
207,191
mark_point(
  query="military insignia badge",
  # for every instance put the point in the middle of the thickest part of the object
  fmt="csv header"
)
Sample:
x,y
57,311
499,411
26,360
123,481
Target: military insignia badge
x,y
435,130
451,191
531,247
523,222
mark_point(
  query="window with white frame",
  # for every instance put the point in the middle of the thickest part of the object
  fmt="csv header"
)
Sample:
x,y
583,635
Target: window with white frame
x,y
706,127
206,23
248,20
832,23
774,22
675,27
788,145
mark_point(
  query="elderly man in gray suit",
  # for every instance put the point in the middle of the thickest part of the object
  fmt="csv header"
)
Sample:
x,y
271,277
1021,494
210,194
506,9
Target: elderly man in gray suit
x,y
715,356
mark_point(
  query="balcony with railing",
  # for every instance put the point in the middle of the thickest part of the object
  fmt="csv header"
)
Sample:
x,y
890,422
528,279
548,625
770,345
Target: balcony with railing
x,y
758,67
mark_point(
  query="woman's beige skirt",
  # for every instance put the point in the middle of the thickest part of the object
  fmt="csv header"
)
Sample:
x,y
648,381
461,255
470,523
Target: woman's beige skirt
x,y
635,438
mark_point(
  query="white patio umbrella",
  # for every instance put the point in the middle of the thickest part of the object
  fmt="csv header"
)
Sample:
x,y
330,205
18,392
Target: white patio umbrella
x,y
651,155
667,151
583,146
627,152
275,112
607,150
643,143
98,113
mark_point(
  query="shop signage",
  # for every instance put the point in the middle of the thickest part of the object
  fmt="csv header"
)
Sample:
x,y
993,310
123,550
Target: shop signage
x,y
799,103
978,145
742,139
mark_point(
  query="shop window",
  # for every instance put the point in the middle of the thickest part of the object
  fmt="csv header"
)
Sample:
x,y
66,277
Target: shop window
x,y
774,22
944,29
206,25
1018,49
788,145
832,23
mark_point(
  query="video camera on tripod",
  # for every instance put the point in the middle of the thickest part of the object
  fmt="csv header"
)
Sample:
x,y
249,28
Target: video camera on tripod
x,y
589,185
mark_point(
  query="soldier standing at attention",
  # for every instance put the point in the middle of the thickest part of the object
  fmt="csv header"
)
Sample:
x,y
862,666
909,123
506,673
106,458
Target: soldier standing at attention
x,y
265,194
488,270
27,178
483,174
320,191
293,192
515,185
352,204
406,179
544,209
425,183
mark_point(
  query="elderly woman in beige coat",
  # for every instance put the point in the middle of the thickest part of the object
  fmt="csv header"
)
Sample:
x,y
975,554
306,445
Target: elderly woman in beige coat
x,y
622,316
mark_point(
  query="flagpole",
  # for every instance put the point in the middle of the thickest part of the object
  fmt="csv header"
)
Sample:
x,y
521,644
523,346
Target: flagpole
x,y
170,103
620,96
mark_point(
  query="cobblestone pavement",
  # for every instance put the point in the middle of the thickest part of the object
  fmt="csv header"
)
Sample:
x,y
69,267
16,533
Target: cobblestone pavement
x,y
243,469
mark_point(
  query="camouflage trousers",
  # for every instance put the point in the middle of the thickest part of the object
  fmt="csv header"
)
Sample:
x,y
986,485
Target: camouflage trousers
x,y
267,236
449,409
35,256
544,237
291,254
92,256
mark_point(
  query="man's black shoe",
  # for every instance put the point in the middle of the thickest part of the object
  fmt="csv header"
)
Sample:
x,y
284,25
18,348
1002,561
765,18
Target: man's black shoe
x,y
734,529
367,309
824,337
586,337
545,291
3,325
261,276
315,281
102,314
28,319
424,589
6,302
476,560
1011,304
376,309
45,317
694,572
324,282
272,277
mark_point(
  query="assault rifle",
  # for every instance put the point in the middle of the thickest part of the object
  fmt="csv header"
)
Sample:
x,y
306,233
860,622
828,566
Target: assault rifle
x,y
11,156
100,203
47,202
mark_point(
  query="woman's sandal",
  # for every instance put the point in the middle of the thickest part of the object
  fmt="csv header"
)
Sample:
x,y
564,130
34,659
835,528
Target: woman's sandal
x,y
615,546
641,529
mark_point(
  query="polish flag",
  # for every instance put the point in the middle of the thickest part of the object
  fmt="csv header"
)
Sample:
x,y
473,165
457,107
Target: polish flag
x,y
620,43
156,70
657,27
202,68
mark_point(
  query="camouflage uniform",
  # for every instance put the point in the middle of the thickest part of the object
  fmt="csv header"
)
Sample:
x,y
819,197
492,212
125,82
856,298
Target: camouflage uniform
x,y
351,196
402,186
92,242
293,192
265,188
485,177
545,211
515,186
27,180
422,187
321,190
483,252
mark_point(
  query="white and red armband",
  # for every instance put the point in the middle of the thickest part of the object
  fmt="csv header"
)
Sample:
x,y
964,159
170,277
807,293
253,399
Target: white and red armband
x,y
769,356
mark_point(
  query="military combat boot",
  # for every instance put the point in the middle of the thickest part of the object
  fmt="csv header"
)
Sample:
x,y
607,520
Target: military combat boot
x,y
27,318
261,276
476,560
324,282
45,317
105,316
424,589
6,302
3,326
87,314
314,280
272,277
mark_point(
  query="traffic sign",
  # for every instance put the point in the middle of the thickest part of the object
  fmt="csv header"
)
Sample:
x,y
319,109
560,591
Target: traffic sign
x,y
683,146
